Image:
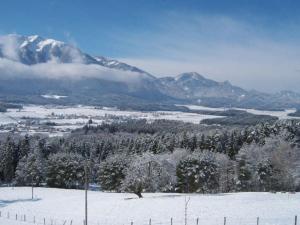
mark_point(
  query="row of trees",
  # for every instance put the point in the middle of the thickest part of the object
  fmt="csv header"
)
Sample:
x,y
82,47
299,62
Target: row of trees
x,y
260,158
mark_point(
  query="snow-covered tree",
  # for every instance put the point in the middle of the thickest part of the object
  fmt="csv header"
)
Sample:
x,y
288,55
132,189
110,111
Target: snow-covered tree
x,y
145,174
110,172
198,173
30,170
272,165
8,160
65,170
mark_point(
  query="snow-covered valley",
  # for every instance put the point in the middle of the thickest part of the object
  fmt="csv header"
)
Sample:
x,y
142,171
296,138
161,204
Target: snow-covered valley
x,y
36,118
57,120
60,205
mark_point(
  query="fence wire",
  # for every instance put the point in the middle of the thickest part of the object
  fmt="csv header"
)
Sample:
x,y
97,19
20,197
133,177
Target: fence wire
x,y
13,218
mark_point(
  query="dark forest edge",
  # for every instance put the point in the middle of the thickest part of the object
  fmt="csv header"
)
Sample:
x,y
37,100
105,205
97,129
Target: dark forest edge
x,y
5,106
295,114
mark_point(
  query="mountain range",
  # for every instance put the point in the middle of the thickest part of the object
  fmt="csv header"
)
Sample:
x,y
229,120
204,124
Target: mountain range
x,y
32,67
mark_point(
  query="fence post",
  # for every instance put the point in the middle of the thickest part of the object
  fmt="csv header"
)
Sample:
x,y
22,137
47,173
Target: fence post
x,y
197,221
44,221
171,221
34,219
0,214
296,220
225,220
131,223
24,217
71,222
150,221
257,221
8,215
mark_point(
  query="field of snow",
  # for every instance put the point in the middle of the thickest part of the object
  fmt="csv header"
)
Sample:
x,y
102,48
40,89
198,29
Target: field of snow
x,y
57,120
37,118
5,119
58,206
81,114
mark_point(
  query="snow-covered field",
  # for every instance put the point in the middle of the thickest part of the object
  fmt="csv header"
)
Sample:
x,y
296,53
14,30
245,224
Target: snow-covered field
x,y
37,118
5,119
58,205
32,118
37,111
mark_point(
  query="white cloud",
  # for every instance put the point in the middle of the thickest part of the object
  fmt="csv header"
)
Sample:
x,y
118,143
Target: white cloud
x,y
52,70
8,44
10,66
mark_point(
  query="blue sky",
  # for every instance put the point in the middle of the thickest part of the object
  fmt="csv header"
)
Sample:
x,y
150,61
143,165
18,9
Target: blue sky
x,y
248,42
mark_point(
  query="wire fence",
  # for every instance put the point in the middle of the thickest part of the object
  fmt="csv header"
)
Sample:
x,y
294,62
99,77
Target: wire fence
x,y
11,218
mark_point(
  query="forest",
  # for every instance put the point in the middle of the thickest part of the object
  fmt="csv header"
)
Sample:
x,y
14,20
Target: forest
x,y
162,156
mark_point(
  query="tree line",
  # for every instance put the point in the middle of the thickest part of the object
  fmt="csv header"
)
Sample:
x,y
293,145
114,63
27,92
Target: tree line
x,y
166,156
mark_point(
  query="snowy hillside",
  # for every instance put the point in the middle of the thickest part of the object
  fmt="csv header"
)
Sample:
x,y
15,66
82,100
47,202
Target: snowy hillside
x,y
59,205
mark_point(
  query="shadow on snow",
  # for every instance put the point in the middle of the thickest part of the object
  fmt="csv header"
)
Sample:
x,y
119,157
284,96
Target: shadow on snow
x,y
4,203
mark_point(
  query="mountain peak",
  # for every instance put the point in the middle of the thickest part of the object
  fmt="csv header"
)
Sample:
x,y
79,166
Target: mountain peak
x,y
35,49
34,38
190,75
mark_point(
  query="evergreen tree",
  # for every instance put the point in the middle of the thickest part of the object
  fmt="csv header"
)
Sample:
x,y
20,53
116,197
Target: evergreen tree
x,y
197,174
8,160
30,170
110,172
65,171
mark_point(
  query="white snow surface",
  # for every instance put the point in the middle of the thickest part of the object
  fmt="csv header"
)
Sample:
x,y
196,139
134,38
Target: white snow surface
x,y
61,205
54,96
38,111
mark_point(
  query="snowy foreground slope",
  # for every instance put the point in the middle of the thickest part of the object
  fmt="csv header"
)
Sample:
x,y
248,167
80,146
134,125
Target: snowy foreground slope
x,y
59,206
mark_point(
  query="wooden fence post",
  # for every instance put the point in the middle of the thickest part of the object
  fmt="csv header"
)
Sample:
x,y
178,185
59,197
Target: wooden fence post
x,y
71,222
197,221
225,220
44,221
296,220
257,221
34,219
16,216
150,221
131,223
171,221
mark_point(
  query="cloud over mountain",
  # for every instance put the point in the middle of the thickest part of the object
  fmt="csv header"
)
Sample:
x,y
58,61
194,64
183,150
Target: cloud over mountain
x,y
33,56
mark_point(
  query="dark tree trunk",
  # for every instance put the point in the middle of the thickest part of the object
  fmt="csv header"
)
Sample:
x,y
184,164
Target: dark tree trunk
x,y
139,194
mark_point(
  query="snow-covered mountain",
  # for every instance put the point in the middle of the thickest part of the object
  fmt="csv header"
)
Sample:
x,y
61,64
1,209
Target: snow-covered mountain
x,y
195,86
35,49
191,87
